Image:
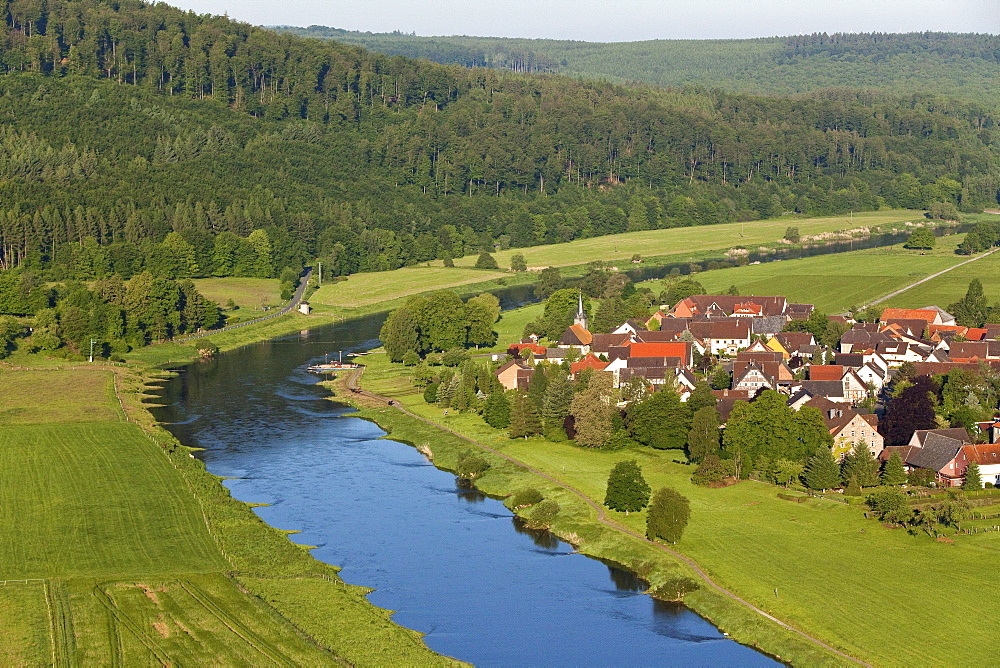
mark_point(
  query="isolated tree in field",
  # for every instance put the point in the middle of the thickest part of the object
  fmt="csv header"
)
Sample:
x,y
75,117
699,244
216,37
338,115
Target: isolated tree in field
x,y
891,506
973,479
627,489
922,238
822,472
593,411
496,411
792,235
486,261
972,310
861,465
704,437
517,263
893,473
668,515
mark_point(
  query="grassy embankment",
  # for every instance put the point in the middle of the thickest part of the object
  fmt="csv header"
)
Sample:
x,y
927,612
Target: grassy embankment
x,y
119,549
820,566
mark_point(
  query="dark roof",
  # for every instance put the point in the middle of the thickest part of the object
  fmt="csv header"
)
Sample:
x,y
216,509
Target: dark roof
x,y
954,433
602,343
676,325
800,342
660,336
729,330
638,362
913,326
768,324
936,453
980,349
824,388
727,303
856,360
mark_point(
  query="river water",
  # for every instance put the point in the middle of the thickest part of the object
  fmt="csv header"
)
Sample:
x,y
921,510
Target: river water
x,y
453,563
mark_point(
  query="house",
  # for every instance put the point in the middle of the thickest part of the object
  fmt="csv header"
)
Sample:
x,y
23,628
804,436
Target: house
x,y
683,350
522,350
913,329
987,455
727,337
577,337
974,351
896,353
768,325
591,361
939,450
799,311
753,378
630,326
601,344
766,362
854,389
848,427
726,399
796,347
930,315
862,336
515,375
725,305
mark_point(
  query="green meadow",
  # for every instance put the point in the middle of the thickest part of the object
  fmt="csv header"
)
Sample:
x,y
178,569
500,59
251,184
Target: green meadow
x,y
117,548
248,293
820,566
836,282
951,287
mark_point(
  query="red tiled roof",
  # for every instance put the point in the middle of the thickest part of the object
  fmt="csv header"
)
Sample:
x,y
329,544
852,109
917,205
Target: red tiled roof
x,y
985,453
826,372
591,361
908,314
672,349
533,347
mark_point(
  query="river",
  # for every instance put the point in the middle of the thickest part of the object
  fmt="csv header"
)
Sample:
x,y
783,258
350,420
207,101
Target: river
x,y
453,563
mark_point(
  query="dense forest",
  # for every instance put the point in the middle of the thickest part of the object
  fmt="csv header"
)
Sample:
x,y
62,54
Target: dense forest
x,y
959,65
140,138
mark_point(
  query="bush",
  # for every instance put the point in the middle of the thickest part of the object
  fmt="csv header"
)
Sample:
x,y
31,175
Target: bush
x,y
524,498
471,465
486,261
517,263
713,471
675,589
797,498
411,358
431,393
920,477
543,514
454,357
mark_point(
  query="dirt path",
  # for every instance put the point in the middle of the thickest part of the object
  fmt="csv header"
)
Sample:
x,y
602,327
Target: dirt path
x,y
932,276
374,400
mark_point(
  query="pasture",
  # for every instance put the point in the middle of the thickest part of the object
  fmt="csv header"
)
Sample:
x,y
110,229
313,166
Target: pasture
x,y
951,287
836,282
373,287
680,242
819,565
247,293
50,396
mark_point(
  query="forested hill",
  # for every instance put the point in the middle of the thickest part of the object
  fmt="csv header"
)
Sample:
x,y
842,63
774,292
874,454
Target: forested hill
x,y
959,65
140,137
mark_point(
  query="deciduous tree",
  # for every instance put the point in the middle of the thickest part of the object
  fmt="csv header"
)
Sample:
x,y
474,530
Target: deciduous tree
x,y
668,515
627,489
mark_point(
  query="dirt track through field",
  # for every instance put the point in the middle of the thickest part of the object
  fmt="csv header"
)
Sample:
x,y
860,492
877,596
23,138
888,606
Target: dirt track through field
x,y
373,400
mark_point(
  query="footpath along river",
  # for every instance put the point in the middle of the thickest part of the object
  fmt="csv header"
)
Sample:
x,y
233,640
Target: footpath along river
x,y
452,562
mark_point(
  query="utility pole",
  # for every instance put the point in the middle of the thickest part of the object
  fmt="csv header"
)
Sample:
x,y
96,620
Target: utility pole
x,y
92,342
320,274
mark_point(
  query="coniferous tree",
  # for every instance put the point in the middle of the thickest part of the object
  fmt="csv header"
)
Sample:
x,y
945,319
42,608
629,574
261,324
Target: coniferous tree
x,y
860,464
822,472
556,404
627,489
973,479
972,310
496,411
668,515
524,420
593,410
893,473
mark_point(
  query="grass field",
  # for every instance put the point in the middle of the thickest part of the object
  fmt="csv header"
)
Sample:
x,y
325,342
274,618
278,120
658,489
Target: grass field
x,y
873,592
951,287
116,548
836,282
370,288
247,293
679,241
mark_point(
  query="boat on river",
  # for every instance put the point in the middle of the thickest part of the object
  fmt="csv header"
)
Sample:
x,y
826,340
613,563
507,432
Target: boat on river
x,y
332,367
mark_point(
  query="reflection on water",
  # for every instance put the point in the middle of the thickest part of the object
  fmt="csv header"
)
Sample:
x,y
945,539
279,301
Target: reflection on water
x,y
440,553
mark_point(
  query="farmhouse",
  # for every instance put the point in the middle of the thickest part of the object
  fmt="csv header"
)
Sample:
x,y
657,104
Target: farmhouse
x,y
515,375
848,427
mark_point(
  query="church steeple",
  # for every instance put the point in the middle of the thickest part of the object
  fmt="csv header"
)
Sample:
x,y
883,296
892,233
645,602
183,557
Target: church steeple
x,y
581,317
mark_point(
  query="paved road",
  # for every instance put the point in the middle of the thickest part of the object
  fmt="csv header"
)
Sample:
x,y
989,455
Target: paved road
x,y
296,299
602,517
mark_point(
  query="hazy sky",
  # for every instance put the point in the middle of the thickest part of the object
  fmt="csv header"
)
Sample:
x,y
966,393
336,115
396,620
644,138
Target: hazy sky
x,y
616,20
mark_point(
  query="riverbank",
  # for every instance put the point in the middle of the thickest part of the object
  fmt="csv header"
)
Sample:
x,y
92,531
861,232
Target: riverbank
x,y
822,567
121,549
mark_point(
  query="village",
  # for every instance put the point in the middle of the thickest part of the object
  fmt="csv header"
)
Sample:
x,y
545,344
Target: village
x,y
744,340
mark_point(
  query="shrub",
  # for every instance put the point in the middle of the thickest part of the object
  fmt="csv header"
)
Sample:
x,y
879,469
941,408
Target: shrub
x,y
524,498
486,261
713,471
411,358
517,263
543,514
431,393
454,357
797,498
674,589
920,477
471,465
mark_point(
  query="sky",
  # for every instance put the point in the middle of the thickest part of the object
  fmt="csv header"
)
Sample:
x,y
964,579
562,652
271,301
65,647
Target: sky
x,y
616,20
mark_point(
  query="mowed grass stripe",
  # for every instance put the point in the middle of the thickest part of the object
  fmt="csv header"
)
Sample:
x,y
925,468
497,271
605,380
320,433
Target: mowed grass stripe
x,y
95,500
57,395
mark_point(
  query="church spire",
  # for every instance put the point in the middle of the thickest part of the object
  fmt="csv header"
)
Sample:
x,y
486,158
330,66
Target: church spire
x,y
581,316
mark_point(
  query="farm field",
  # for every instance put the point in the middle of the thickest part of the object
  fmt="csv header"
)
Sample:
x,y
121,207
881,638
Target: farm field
x,y
248,293
820,565
374,287
837,282
951,287
681,241
116,551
